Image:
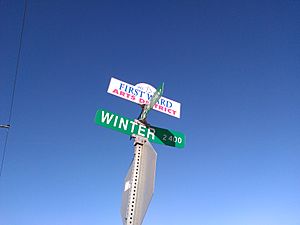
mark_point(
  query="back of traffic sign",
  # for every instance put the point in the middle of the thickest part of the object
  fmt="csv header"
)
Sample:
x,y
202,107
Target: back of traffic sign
x,y
139,183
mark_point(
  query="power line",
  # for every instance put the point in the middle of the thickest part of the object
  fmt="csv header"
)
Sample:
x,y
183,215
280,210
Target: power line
x,y
4,152
14,86
18,63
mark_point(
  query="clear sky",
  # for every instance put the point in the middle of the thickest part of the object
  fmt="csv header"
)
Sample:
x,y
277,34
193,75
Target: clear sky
x,y
234,66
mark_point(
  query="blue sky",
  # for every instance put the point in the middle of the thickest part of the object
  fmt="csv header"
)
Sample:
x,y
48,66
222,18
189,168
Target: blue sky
x,y
234,66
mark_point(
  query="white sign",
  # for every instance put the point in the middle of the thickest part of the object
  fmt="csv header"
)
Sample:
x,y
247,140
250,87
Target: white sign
x,y
142,94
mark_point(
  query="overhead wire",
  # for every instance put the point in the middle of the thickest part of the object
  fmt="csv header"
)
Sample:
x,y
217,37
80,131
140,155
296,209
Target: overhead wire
x,y
14,85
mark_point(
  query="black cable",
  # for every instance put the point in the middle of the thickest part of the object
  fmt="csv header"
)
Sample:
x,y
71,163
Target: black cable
x,y
14,84
18,63
4,152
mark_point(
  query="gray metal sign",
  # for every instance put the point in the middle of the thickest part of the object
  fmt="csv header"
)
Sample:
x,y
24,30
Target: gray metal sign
x,y
139,183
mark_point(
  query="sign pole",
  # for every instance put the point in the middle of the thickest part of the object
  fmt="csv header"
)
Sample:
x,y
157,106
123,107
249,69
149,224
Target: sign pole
x,y
139,183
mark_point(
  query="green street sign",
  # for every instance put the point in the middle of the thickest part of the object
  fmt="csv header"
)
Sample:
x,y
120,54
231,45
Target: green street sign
x,y
130,127
156,96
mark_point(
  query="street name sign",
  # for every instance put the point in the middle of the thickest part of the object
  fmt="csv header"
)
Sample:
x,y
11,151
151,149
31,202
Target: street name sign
x,y
138,95
131,127
156,96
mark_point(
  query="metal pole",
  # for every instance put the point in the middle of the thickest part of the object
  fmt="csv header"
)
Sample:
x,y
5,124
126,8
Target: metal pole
x,y
139,183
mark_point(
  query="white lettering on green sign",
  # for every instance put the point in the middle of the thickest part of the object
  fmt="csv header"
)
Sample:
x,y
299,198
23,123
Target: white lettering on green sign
x,y
126,125
130,127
